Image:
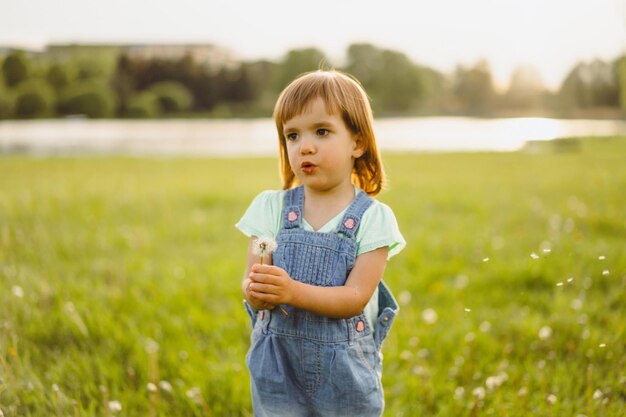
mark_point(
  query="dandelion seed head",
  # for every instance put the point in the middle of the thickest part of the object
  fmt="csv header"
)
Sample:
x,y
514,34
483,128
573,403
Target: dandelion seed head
x,y
193,393
429,316
576,304
404,298
263,246
414,341
151,387
597,394
484,327
495,381
522,392
165,386
115,406
459,393
419,370
479,393
406,355
423,353
17,291
552,399
55,388
151,346
470,337
545,332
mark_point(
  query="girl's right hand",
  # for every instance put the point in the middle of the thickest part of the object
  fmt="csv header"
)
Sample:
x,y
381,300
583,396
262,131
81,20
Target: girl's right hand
x,y
253,301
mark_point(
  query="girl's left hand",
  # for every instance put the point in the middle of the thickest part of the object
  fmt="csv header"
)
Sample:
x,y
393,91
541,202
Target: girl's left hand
x,y
271,284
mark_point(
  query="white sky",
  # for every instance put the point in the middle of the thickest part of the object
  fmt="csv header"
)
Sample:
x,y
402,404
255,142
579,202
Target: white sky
x,y
552,35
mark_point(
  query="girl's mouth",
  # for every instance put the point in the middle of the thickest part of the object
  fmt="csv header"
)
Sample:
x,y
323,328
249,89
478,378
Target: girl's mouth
x,y
307,167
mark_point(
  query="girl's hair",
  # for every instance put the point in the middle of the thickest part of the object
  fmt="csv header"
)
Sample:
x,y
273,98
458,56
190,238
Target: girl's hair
x,y
343,95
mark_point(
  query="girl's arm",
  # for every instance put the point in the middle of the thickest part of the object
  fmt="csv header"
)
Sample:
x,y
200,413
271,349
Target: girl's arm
x,y
253,259
273,285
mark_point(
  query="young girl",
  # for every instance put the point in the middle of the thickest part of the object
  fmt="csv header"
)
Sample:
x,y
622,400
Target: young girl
x,y
319,308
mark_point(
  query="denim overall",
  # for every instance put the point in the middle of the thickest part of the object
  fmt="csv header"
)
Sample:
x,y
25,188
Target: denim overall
x,y
306,365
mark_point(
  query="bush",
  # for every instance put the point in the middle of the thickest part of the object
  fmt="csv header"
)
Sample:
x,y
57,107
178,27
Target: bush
x,y
15,69
92,98
34,98
172,96
6,103
143,106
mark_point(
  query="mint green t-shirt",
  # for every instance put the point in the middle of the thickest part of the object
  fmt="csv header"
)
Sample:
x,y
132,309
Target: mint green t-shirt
x,y
378,229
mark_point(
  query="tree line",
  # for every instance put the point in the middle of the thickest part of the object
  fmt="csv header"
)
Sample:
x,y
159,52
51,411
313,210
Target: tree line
x,y
112,83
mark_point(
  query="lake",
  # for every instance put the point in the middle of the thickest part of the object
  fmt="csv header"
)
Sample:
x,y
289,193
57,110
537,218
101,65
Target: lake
x,y
249,137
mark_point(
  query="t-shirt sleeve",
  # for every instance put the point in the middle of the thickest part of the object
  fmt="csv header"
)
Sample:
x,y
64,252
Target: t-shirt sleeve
x,y
262,218
379,228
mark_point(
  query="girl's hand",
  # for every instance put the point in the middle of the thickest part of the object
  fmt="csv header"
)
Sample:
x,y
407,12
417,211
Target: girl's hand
x,y
271,284
253,300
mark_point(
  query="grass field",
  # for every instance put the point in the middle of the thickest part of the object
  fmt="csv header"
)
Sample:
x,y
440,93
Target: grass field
x,y
120,284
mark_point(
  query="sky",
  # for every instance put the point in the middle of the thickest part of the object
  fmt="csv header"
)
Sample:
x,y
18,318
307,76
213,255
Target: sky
x,y
550,35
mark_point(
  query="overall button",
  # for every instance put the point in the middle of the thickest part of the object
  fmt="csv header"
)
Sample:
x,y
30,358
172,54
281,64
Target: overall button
x,y
360,326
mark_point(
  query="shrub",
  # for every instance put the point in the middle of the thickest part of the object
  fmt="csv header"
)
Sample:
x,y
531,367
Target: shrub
x,y
172,96
34,98
143,106
6,103
92,98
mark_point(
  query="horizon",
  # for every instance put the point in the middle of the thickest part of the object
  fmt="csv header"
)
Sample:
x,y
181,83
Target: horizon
x,y
508,34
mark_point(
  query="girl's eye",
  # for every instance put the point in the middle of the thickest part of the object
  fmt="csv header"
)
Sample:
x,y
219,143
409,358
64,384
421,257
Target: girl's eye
x,y
322,132
291,136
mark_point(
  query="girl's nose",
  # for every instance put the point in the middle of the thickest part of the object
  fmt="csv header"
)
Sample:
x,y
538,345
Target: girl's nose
x,y
307,146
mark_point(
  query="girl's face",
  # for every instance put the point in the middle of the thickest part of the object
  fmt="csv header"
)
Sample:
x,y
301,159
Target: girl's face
x,y
321,148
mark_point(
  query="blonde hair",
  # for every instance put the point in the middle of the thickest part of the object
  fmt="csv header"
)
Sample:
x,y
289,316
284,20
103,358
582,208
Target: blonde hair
x,y
341,94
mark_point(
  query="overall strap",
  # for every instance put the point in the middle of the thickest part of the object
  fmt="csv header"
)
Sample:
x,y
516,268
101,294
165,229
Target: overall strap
x,y
293,207
351,220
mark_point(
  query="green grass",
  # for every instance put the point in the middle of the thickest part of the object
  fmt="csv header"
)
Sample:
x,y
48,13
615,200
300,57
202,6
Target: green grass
x,y
118,272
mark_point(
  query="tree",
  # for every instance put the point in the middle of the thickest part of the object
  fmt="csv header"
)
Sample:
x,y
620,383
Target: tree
x,y
593,84
15,68
393,81
296,62
621,78
34,98
473,88
92,98
58,77
172,96
525,90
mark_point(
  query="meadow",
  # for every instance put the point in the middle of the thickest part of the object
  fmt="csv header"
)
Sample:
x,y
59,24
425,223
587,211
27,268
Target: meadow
x,y
120,284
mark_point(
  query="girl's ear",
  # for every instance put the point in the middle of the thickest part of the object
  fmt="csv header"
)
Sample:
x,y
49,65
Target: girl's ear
x,y
358,148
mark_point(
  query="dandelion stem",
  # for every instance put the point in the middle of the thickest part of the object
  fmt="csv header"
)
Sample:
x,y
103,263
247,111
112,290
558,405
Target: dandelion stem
x,y
280,307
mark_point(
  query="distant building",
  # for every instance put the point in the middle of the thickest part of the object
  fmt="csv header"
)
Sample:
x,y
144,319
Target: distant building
x,y
207,55
210,56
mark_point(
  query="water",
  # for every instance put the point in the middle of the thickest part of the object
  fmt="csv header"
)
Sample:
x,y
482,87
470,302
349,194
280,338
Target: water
x,y
246,137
